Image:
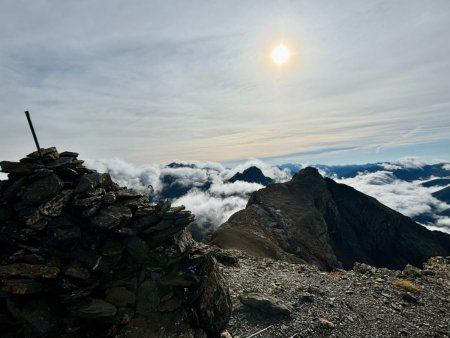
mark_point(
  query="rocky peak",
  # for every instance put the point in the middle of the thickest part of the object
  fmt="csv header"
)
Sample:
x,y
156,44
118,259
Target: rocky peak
x,y
321,222
252,175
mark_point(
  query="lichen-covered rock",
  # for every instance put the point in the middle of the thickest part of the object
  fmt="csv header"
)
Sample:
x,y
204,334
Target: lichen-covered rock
x,y
214,306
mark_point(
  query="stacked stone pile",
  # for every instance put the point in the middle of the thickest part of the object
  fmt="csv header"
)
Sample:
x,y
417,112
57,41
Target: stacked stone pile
x,y
82,257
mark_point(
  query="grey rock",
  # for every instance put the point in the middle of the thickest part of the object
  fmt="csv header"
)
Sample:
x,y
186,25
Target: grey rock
x,y
109,198
267,304
60,162
77,271
12,191
409,297
128,193
214,307
306,297
89,182
120,296
54,207
43,189
140,250
87,202
170,304
93,308
19,167
39,173
49,153
410,270
68,154
145,211
111,217
89,211
147,298
23,286
28,271
146,221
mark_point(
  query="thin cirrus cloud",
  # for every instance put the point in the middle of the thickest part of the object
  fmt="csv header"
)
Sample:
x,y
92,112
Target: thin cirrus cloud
x,y
151,81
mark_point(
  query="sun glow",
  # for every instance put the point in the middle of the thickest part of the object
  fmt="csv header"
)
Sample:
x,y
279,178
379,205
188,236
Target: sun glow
x,y
280,54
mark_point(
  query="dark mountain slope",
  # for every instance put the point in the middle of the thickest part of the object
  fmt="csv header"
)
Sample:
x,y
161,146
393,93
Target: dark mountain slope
x,y
443,195
437,182
252,175
327,224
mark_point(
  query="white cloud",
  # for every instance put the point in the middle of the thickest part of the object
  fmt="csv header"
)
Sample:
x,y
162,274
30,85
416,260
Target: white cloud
x,y
221,199
211,210
235,188
3,176
408,198
211,207
406,163
127,174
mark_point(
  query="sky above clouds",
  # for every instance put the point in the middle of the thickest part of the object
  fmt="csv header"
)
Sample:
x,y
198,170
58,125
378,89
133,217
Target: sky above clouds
x,y
154,81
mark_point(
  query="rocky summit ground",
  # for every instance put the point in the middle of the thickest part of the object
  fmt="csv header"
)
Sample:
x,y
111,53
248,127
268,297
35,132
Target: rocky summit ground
x,y
294,300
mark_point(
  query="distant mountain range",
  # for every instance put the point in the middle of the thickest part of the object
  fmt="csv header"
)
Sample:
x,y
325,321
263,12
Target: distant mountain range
x,y
404,173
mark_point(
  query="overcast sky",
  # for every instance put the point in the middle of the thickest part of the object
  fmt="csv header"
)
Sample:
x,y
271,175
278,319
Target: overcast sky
x,y
153,81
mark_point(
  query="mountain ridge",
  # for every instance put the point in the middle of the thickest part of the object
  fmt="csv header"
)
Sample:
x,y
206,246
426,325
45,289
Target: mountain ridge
x,y
316,220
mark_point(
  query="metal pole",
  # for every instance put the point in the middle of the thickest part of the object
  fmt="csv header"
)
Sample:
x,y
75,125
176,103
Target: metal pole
x,y
34,134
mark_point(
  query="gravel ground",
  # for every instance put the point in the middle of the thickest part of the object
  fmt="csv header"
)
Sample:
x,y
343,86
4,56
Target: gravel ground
x,y
363,302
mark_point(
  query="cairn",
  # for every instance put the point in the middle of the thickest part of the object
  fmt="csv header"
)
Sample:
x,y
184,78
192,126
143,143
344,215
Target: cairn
x,y
82,257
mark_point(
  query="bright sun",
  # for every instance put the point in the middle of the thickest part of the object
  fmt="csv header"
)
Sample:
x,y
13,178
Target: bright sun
x,y
280,54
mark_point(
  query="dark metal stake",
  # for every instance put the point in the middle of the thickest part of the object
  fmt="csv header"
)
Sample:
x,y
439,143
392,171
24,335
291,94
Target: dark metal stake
x,y
34,134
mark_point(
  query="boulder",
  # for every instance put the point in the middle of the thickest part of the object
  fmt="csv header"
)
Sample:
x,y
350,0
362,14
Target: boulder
x,y
266,304
111,217
42,189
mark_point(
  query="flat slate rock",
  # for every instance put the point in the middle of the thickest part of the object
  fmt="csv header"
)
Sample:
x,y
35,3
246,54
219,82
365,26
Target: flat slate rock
x,y
19,167
55,206
60,162
111,217
93,308
43,189
28,270
267,304
68,154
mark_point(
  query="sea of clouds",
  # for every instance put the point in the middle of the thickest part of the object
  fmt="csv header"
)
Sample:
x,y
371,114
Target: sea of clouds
x,y
220,199
212,206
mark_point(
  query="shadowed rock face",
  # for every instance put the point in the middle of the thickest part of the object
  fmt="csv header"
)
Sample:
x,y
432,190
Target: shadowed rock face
x,y
443,195
318,221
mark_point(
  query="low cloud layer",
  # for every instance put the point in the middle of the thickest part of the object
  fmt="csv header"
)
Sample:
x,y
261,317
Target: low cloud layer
x,y
204,188
208,194
410,198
